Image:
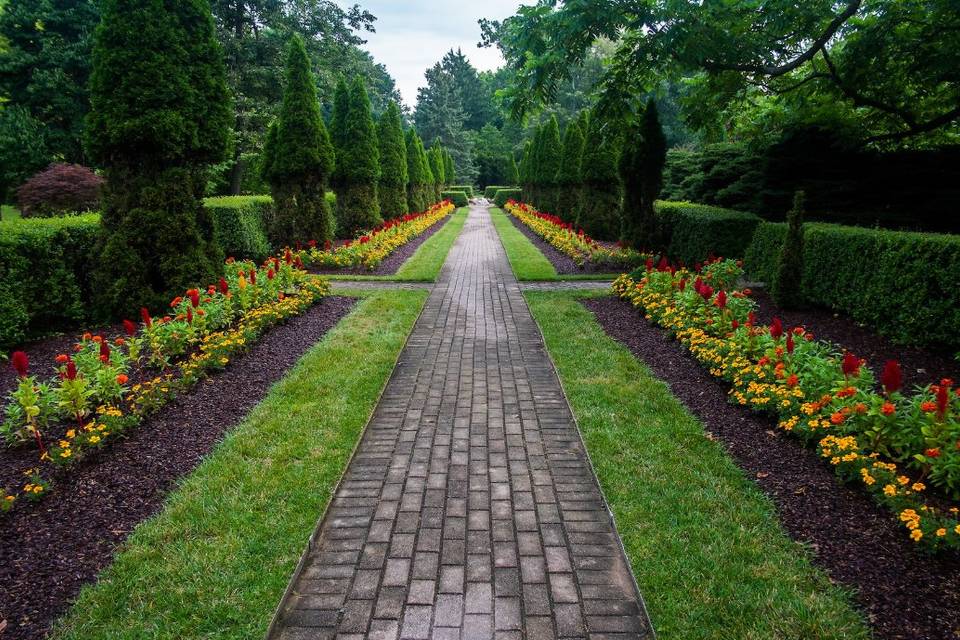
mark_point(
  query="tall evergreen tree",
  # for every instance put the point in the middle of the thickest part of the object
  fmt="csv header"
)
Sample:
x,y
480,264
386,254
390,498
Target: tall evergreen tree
x,y
417,179
449,167
551,151
513,175
435,156
569,180
393,163
641,173
533,168
299,158
475,98
523,172
160,116
338,129
439,114
599,212
358,208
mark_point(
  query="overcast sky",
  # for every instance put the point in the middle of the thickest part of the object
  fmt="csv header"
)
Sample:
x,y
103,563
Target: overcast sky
x,y
412,35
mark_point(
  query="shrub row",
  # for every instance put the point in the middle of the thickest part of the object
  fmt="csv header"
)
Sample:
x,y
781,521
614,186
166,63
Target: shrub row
x,y
692,232
466,188
490,192
239,223
458,198
500,197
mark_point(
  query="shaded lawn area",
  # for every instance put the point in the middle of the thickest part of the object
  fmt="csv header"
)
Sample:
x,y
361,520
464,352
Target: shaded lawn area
x,y
709,554
425,264
216,561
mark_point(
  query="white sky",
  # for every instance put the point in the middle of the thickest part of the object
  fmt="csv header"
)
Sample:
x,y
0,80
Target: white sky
x,y
412,35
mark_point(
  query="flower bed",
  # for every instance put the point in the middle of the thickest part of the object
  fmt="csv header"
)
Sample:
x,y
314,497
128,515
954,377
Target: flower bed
x,y
890,443
369,251
104,387
575,243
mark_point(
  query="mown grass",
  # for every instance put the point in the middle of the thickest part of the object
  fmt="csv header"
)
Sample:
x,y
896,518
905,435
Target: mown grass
x,y
424,265
708,552
526,260
215,562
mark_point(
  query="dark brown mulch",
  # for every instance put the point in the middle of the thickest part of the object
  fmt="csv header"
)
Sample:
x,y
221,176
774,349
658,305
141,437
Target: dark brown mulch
x,y
920,366
563,263
48,551
904,592
392,263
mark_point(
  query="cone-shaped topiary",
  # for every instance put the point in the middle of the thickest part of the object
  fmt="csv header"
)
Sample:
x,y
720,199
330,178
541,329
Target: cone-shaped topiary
x,y
299,158
533,168
358,208
513,176
599,213
641,173
393,163
160,115
551,151
568,175
523,171
415,174
429,181
786,288
449,168
338,128
435,156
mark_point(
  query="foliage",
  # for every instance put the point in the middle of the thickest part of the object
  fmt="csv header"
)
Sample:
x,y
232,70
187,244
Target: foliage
x,y
23,148
392,188
492,154
358,207
599,210
239,224
871,438
693,232
466,188
762,255
418,172
491,191
549,155
435,158
59,189
569,173
641,174
725,175
440,114
786,288
449,167
458,198
338,130
513,175
503,196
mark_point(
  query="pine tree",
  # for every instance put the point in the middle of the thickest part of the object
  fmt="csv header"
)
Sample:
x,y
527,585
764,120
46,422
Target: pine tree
x,y
641,173
160,116
449,168
599,213
338,128
786,288
358,208
551,151
393,164
513,175
415,175
299,158
569,180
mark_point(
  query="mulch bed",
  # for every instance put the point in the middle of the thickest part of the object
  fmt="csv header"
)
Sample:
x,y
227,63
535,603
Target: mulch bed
x,y
51,549
903,592
392,263
563,263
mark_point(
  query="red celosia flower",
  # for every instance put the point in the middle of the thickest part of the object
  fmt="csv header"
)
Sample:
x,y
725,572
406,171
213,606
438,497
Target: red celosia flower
x,y
276,263
122,379
104,351
706,291
892,377
287,256
312,244
71,373
223,286
253,276
776,329
130,328
682,285
721,300
664,265
790,343
851,364
190,315
145,316
61,358
751,319
793,380
327,245
734,324
888,409
932,452
270,274
649,264
194,297
943,398
21,363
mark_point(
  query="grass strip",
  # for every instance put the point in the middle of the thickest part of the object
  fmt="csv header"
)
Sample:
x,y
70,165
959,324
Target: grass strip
x,y
214,563
526,260
709,554
425,263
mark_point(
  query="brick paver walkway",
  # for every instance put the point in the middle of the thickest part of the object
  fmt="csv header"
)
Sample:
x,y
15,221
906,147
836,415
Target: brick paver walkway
x,y
469,509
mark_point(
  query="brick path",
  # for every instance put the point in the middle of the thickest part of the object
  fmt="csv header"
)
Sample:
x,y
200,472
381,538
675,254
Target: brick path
x,y
469,509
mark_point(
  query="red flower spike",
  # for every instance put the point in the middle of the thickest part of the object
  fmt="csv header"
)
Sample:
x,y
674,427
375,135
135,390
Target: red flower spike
x,y
776,329
190,315
312,244
223,286
145,316
270,274
664,265
682,285
71,373
734,324
751,319
790,344
892,377
649,264
943,399
287,256
850,364
104,351
130,328
21,363
253,276
194,296
721,300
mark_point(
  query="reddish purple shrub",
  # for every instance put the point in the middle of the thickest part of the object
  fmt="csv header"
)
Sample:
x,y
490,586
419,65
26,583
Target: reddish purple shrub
x,y
59,189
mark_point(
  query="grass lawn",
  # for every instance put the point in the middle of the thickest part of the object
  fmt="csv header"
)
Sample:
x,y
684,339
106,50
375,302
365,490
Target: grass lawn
x,y
216,561
424,265
526,260
9,212
709,554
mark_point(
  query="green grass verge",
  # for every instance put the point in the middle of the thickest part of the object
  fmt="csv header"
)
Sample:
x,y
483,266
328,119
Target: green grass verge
x,y
424,265
216,561
708,551
9,212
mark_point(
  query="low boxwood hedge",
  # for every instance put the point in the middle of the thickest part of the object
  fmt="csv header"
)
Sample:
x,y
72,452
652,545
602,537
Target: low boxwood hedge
x,y
763,252
692,232
490,192
239,224
502,195
466,188
458,198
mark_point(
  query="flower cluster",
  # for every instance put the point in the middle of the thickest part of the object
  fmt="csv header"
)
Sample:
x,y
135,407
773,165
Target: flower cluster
x,y
890,443
369,250
574,242
90,401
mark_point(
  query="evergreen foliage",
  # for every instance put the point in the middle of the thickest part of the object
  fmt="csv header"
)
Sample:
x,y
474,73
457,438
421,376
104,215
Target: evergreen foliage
x,y
786,287
393,164
551,151
599,212
338,129
435,157
568,175
449,167
513,175
358,207
160,115
641,174
419,187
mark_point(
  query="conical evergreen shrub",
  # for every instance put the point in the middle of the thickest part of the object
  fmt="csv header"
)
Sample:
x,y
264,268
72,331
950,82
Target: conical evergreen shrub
x,y
358,207
429,181
568,175
551,151
513,175
786,288
393,164
299,158
435,155
523,172
415,177
160,115
338,129
641,174
449,168
599,213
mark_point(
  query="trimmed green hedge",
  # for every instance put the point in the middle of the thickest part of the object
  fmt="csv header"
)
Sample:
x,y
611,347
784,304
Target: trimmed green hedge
x,y
691,232
466,188
490,192
760,259
501,196
45,266
239,223
458,198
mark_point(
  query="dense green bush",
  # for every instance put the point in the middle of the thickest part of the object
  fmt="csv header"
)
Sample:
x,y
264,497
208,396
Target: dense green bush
x,y
786,288
569,180
45,275
491,191
357,166
691,232
599,211
466,188
239,224
762,256
458,198
419,176
500,197
393,164
641,174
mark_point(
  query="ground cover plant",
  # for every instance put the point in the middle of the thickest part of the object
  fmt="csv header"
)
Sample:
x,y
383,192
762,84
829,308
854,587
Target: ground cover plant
x,y
105,387
371,248
573,241
892,444
708,553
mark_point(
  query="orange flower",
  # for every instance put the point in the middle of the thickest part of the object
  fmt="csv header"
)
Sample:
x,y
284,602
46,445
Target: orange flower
x,y
86,336
793,380
860,407
837,418
122,379
62,358
98,339
932,453
928,406
846,393
888,409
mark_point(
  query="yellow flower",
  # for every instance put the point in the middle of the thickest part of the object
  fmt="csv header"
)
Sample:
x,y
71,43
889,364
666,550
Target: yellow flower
x,y
941,532
918,486
916,534
890,490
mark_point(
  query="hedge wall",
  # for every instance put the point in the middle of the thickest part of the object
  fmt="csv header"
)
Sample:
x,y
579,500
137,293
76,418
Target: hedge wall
x,y
239,224
458,198
500,197
763,252
45,268
490,192
691,232
466,188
